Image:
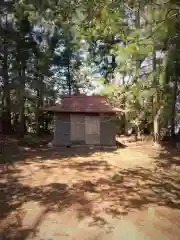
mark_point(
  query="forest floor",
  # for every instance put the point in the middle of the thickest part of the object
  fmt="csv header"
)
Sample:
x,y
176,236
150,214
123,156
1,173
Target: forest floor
x,y
87,194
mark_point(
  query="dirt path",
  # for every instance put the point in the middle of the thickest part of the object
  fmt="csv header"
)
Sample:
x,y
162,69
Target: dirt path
x,y
131,193
139,225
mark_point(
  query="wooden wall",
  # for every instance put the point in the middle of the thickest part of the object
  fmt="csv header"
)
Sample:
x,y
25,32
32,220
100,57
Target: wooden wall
x,y
62,129
90,129
77,126
108,130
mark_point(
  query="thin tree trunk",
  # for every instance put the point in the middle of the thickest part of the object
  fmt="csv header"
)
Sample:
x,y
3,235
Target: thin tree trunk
x,y
38,113
173,116
46,124
6,112
137,25
175,89
22,127
39,91
15,122
38,96
68,68
156,107
123,117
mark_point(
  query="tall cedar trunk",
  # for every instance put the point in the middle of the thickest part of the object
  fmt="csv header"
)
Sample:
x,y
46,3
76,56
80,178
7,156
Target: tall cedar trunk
x,y
173,116
175,89
156,105
69,78
6,112
137,25
39,104
15,120
39,91
123,117
38,112
22,127
68,67
46,124
155,98
22,56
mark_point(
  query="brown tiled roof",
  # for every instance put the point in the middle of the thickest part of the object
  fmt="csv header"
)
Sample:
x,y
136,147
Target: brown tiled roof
x,y
83,104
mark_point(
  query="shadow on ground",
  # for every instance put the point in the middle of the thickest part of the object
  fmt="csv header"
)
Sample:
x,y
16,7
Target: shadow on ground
x,y
11,152
168,157
125,191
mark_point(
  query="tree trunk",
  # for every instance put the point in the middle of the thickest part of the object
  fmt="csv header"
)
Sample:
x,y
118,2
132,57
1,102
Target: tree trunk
x,y
123,117
156,129
156,99
15,120
175,90
6,112
39,103
137,25
68,67
22,123
38,113
137,133
46,124
173,116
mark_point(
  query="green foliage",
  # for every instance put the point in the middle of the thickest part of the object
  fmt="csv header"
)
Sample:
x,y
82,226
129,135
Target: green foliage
x,y
49,48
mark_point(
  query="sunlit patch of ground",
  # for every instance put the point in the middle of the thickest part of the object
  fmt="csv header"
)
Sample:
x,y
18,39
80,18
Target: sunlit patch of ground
x,y
81,193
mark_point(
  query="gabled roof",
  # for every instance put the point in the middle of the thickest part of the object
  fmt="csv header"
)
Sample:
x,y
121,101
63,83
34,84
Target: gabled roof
x,y
83,104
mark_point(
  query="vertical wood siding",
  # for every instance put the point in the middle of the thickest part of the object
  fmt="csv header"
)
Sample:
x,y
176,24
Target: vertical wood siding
x,y
62,129
83,129
92,129
77,128
107,131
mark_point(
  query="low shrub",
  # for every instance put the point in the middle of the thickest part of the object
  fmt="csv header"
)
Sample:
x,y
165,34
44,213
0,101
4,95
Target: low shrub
x,y
30,140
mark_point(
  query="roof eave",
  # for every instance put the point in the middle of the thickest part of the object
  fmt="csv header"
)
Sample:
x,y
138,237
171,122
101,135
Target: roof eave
x,y
59,111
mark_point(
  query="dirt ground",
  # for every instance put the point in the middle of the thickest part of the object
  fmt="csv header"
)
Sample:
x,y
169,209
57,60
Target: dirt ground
x,y
91,194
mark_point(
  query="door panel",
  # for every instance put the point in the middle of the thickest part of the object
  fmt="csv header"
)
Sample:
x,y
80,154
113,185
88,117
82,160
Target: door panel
x,y
77,127
61,133
92,130
62,129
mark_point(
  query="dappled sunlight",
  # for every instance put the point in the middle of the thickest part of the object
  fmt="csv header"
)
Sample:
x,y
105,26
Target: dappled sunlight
x,y
98,187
